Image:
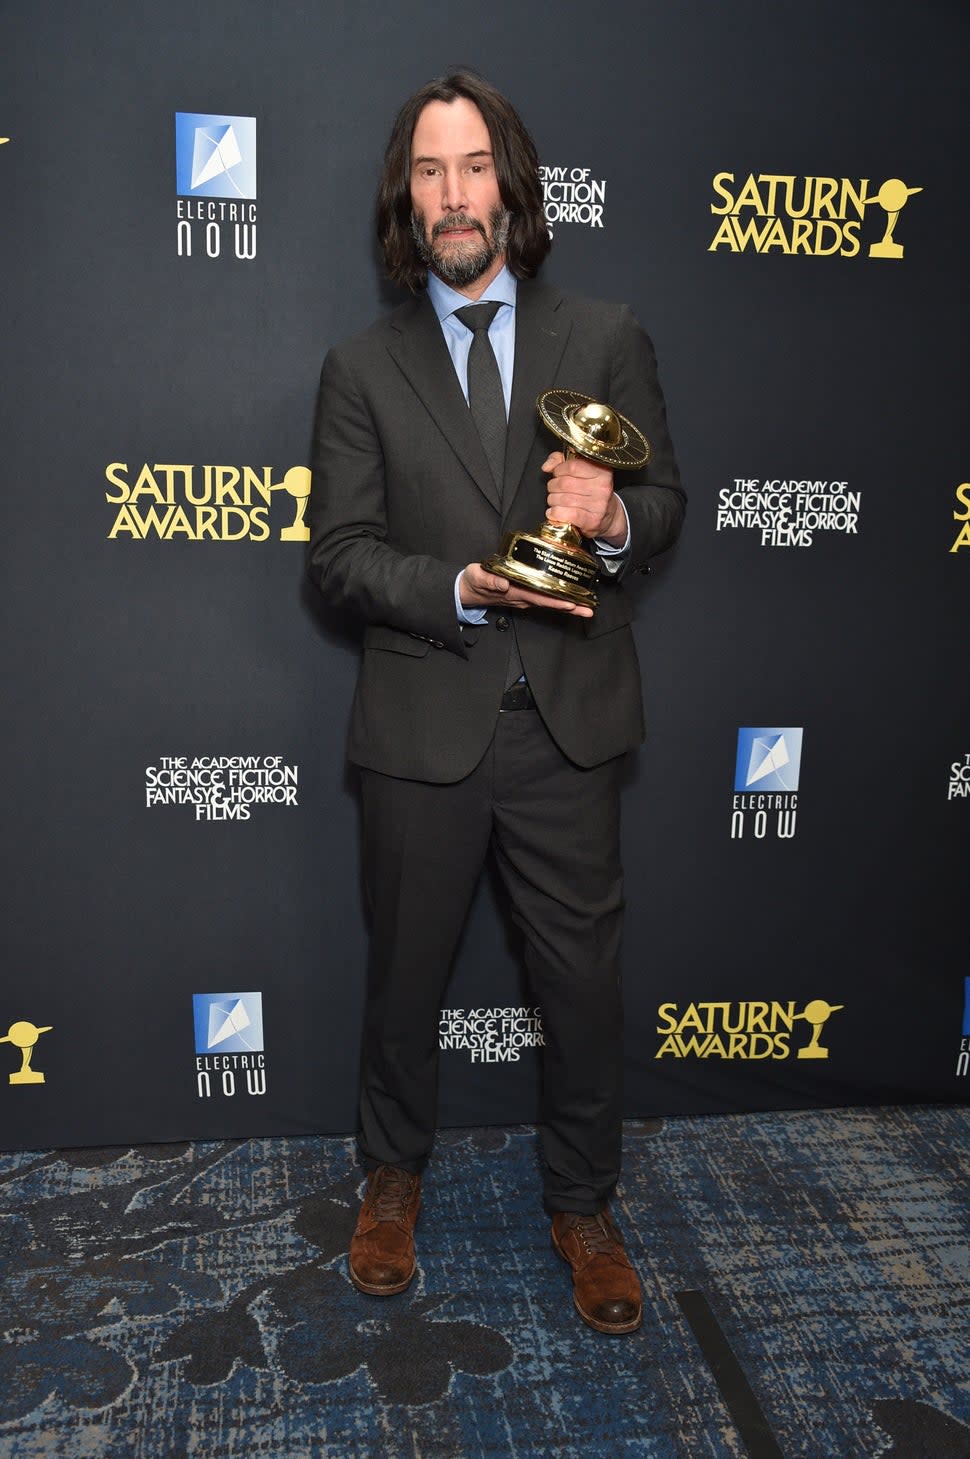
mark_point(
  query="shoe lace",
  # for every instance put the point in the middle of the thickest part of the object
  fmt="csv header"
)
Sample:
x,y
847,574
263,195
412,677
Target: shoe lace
x,y
596,1235
391,1193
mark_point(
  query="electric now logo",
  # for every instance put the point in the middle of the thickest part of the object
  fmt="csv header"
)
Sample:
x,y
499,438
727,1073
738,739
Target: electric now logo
x,y
229,1043
963,1056
215,179
766,771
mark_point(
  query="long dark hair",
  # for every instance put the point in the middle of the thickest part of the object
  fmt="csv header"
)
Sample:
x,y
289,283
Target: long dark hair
x,y
516,171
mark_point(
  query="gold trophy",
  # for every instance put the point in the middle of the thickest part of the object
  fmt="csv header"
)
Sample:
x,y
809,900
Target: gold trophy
x,y
817,1013
23,1035
552,559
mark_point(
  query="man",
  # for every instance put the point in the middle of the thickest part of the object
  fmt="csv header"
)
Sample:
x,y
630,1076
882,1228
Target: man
x,y
486,715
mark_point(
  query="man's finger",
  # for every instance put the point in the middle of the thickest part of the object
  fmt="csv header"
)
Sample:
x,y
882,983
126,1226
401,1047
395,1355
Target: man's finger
x,y
554,459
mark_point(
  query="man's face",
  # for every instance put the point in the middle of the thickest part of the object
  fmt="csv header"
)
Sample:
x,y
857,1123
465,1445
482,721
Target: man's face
x,y
459,221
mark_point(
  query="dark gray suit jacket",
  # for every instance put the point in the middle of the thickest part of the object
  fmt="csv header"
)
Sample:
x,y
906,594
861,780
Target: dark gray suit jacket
x,y
403,499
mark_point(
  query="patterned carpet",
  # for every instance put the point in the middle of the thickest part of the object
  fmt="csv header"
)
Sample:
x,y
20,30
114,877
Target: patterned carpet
x,y
805,1279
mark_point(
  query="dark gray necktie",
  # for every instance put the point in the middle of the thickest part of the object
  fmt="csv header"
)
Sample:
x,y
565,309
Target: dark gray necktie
x,y
486,400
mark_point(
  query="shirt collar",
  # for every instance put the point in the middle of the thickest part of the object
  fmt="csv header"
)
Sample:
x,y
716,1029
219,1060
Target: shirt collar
x,y
445,300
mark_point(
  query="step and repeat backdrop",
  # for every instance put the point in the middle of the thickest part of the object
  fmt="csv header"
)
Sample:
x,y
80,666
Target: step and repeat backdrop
x,y
777,192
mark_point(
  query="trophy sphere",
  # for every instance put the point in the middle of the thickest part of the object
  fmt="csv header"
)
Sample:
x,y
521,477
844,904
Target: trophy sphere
x,y
591,429
893,194
817,1011
593,426
24,1034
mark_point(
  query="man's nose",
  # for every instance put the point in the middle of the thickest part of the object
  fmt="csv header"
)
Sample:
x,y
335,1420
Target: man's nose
x,y
453,192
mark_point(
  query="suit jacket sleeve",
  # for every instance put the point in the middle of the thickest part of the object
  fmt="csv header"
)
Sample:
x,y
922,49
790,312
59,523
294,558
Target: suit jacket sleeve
x,y
654,498
349,556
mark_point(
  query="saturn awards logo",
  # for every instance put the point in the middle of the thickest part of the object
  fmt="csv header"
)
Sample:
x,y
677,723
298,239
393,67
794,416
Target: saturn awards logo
x,y
766,783
190,503
215,179
229,1054
819,217
23,1035
961,514
747,1030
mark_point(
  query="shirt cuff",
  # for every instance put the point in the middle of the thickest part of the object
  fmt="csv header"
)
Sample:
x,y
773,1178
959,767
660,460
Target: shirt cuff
x,y
468,615
614,557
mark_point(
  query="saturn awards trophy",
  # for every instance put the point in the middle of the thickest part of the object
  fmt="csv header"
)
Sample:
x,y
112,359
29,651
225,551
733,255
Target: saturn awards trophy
x,y
552,559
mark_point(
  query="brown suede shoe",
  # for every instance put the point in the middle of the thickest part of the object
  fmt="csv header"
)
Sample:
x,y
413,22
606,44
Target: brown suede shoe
x,y
606,1290
382,1259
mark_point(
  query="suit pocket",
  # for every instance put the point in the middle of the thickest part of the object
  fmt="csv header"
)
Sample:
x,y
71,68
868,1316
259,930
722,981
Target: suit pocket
x,y
612,612
395,641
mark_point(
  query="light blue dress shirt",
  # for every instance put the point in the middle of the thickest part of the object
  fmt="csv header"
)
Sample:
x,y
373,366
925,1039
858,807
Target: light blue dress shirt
x,y
458,337
501,336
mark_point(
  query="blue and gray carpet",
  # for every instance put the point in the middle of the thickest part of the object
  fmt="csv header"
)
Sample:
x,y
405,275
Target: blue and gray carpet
x,y
805,1279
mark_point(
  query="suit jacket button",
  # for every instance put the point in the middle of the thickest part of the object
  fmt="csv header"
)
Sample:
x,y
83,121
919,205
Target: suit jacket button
x,y
502,623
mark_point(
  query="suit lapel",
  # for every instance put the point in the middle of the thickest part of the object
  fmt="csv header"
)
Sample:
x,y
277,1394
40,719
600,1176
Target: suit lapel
x,y
541,331
421,353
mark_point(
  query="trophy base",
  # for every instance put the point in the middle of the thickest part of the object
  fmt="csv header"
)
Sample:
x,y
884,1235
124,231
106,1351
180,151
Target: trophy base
x,y
885,250
27,1076
549,561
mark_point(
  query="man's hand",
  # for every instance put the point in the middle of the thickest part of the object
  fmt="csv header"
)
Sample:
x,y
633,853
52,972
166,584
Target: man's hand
x,y
481,589
582,493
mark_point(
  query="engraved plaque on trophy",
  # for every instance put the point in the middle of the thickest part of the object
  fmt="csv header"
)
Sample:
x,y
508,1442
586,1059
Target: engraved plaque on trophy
x,y
552,559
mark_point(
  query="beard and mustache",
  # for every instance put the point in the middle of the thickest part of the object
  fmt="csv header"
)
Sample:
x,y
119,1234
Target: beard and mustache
x,y
461,263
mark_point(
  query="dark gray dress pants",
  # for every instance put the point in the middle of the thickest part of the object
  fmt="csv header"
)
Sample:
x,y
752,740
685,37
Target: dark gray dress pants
x,y
555,831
